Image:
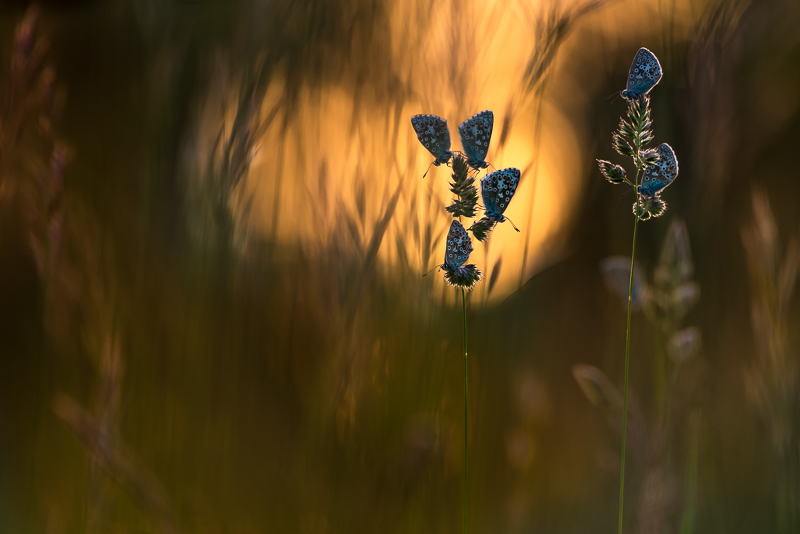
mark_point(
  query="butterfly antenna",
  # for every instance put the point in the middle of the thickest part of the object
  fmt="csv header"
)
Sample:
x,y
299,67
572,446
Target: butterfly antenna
x,y
614,96
626,193
428,169
492,166
429,272
512,224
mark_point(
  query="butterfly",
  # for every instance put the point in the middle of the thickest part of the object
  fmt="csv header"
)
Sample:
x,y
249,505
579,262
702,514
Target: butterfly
x,y
645,73
432,132
475,133
459,246
497,188
660,175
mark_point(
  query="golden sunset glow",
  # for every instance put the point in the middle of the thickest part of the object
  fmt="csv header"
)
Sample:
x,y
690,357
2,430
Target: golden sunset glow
x,y
236,300
344,134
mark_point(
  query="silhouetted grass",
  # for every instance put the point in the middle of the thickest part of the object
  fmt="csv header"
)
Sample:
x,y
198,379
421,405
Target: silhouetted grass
x,y
213,234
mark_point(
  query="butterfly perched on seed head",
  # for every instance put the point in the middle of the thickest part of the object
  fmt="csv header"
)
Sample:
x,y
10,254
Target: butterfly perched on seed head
x,y
475,133
644,75
497,189
432,132
459,247
660,175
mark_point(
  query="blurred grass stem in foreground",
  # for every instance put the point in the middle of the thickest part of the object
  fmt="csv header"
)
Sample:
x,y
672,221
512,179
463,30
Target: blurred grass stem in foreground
x,y
772,380
549,30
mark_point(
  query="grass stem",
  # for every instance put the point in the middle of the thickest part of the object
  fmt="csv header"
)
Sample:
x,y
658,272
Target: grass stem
x,y
466,372
625,388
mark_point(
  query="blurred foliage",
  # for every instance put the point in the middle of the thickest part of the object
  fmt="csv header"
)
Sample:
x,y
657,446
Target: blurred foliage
x,y
213,226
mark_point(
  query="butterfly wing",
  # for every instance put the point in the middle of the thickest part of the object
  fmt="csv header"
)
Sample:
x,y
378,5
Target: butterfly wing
x,y
459,247
660,175
645,73
432,132
497,188
475,133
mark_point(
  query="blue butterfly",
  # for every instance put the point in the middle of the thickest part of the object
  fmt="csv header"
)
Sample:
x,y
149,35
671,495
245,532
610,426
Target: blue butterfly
x,y
497,189
660,175
459,247
645,73
475,133
432,132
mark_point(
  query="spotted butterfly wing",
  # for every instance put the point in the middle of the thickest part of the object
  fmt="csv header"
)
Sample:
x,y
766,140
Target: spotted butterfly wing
x,y
475,133
432,132
497,189
645,73
660,175
459,247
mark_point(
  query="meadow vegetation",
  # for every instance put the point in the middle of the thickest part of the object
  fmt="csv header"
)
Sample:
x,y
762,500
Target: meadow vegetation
x,y
214,226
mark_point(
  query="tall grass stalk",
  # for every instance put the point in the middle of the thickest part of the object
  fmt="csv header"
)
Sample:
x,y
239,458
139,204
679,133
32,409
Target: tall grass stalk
x,y
665,302
550,30
639,115
459,275
625,387
466,404
771,382
33,160
630,140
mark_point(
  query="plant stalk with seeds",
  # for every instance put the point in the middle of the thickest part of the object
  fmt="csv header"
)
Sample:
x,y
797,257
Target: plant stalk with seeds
x,y
657,169
459,245
462,276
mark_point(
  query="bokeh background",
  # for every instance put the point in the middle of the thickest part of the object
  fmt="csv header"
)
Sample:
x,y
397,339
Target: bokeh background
x,y
213,230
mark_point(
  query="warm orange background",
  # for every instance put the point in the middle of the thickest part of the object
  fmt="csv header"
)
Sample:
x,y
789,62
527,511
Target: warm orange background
x,y
220,323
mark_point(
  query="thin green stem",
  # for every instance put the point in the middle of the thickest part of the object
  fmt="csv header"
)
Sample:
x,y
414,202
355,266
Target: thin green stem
x,y
639,167
625,393
464,308
639,117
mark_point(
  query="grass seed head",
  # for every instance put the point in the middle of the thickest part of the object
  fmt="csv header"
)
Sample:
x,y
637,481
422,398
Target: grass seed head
x,y
613,173
465,276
